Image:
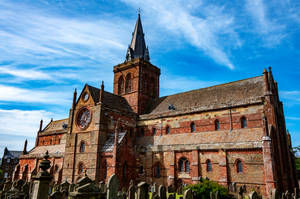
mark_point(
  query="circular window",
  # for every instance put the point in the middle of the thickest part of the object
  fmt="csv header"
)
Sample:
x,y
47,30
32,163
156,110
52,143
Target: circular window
x,y
84,118
85,96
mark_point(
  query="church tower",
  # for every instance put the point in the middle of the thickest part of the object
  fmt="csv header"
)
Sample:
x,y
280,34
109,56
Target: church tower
x,y
137,80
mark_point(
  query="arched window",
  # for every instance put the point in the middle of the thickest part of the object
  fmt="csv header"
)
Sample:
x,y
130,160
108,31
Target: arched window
x,y
243,122
154,131
239,166
156,170
187,166
105,169
141,170
82,147
193,127
80,168
217,125
208,166
121,85
184,165
128,83
167,130
142,132
131,132
56,168
124,170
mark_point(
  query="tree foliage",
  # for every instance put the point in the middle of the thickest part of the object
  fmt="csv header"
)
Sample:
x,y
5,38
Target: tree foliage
x,y
205,186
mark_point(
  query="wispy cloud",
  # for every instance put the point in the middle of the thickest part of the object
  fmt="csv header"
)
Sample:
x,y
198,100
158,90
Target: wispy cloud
x,y
206,32
15,94
23,123
293,118
271,31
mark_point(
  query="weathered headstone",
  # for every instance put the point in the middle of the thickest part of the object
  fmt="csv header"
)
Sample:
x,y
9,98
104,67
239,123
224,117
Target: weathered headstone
x,y
112,187
217,195
57,195
274,194
211,195
287,195
188,194
162,193
253,195
71,187
131,191
143,193
85,188
234,187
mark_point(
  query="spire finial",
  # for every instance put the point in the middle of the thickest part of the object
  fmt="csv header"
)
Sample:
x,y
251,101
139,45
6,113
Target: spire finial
x,y
139,11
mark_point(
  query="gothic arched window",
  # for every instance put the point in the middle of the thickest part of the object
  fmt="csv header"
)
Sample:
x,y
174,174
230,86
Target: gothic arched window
x,y
128,83
243,122
156,170
217,125
82,147
239,166
193,127
121,85
154,131
105,169
184,165
167,130
208,166
80,168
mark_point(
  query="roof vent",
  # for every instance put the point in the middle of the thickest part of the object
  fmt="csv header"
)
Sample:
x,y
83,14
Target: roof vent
x,y
64,126
171,107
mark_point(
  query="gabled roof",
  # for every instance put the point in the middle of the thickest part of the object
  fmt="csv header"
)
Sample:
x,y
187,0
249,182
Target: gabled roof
x,y
57,126
243,92
11,154
110,100
109,144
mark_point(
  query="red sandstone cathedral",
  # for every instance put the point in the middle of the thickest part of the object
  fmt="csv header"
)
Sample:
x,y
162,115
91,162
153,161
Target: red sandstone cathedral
x,y
232,133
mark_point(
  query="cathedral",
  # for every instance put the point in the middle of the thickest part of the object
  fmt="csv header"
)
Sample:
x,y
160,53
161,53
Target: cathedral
x,y
232,133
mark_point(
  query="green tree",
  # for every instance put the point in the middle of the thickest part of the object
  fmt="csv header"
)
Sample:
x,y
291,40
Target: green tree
x,y
205,186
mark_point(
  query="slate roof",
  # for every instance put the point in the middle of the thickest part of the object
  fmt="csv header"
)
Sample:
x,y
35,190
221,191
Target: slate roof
x,y
57,126
54,150
110,100
12,154
231,94
109,144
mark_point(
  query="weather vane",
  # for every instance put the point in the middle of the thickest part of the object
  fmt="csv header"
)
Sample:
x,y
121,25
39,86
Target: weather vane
x,y
139,10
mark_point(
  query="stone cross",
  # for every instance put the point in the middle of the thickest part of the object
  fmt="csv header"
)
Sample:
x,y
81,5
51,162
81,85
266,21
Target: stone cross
x,y
253,195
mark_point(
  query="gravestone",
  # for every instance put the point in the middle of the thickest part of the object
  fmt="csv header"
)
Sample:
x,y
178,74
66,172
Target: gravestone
x,y
234,189
287,195
274,194
253,195
131,191
57,195
85,188
112,187
211,195
71,187
188,194
162,193
102,187
143,193
217,195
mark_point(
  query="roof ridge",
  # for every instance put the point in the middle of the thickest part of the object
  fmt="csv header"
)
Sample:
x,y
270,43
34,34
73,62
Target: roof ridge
x,y
210,87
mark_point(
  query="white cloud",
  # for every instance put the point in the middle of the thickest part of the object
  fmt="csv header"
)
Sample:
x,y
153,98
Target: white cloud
x,y
15,94
30,74
271,32
206,32
22,123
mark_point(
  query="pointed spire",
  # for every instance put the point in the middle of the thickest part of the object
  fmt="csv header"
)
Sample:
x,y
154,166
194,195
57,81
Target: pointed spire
x,y
25,147
101,92
137,47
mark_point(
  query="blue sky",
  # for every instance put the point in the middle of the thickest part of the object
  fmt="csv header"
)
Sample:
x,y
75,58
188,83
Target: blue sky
x,y
50,47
